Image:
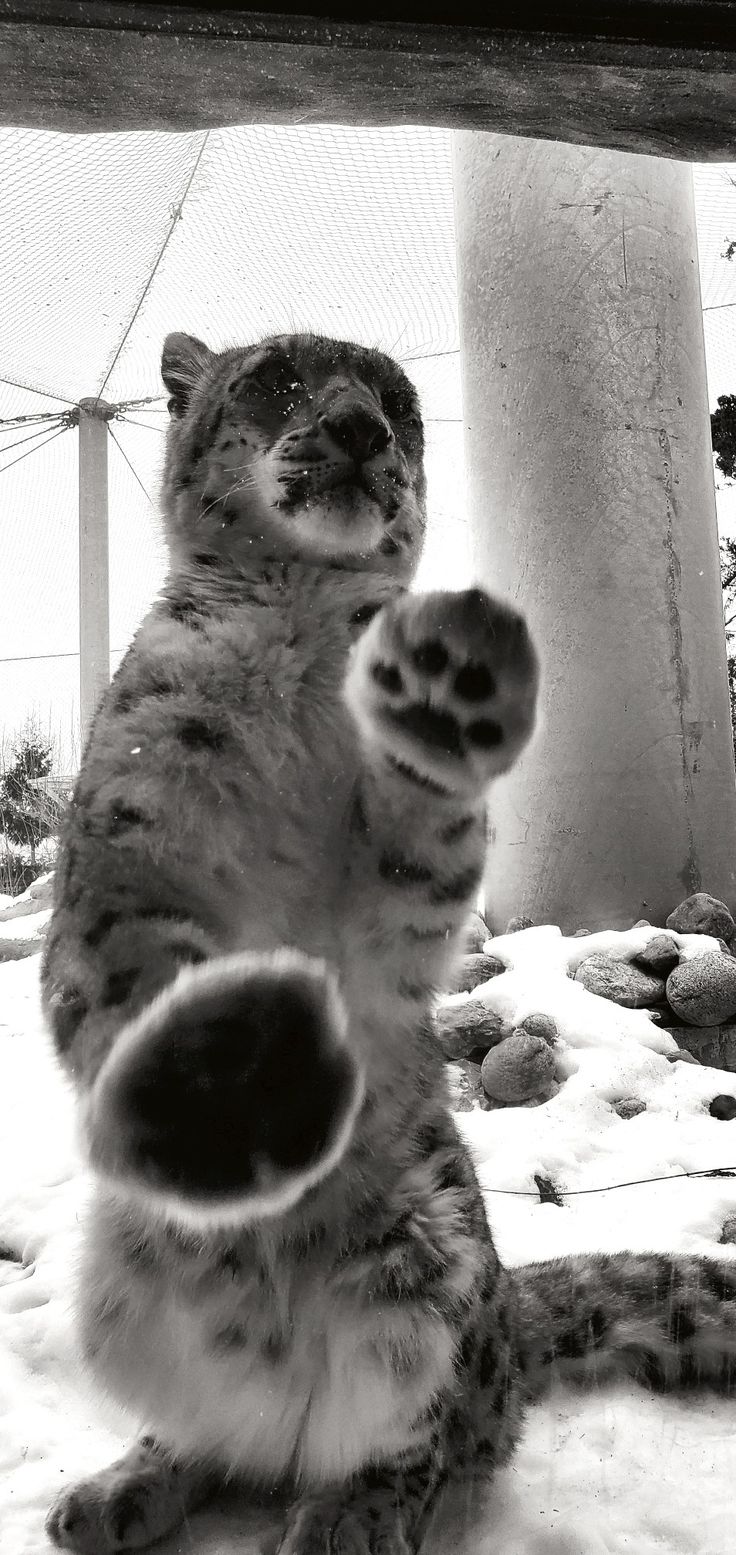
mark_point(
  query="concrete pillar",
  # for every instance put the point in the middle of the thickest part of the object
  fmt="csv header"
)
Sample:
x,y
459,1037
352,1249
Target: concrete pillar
x,y
94,570
592,504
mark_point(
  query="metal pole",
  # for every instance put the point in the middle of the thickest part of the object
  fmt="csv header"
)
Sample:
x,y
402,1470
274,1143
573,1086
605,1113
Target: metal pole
x,y
94,570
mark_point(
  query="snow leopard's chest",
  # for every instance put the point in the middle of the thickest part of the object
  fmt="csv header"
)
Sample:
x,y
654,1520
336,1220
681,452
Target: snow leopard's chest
x,y
310,1385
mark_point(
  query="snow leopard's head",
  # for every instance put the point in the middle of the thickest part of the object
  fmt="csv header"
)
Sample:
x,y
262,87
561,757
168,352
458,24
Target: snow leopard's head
x,y
299,447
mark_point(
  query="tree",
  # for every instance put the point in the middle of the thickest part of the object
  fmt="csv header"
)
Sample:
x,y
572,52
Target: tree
x,y
723,435
28,812
728,584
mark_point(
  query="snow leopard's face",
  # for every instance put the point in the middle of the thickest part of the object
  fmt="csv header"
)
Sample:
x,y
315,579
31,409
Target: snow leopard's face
x,y
299,446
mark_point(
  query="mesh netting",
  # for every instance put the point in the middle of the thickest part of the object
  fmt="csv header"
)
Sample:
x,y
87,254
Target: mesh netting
x,y
110,241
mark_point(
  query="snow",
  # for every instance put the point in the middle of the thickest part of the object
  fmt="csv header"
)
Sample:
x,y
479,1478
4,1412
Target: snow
x,y
611,1473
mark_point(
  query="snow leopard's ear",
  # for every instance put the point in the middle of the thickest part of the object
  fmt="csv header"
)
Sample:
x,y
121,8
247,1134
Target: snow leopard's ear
x,y
183,361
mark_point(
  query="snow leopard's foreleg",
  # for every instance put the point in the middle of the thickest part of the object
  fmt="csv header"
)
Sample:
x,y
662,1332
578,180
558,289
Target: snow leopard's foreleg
x,y
443,689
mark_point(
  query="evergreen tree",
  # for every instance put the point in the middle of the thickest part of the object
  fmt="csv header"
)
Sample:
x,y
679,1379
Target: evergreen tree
x,y
723,435
28,813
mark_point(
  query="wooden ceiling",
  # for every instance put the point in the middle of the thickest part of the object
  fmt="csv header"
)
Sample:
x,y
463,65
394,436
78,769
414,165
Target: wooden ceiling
x,y
652,76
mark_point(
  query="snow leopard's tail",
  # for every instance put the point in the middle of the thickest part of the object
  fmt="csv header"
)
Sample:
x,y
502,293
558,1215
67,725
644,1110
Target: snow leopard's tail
x,y
669,1322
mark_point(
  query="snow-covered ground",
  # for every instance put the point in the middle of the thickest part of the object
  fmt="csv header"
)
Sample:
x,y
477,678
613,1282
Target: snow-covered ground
x,y
615,1473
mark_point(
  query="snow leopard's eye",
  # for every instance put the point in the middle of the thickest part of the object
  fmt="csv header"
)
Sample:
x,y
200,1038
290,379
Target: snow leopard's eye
x,y
398,403
278,377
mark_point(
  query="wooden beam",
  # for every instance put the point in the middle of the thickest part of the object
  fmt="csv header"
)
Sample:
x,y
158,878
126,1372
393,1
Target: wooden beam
x,y
653,76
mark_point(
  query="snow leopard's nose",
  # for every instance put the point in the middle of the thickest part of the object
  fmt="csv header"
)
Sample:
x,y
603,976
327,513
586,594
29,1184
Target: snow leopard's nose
x,y
359,431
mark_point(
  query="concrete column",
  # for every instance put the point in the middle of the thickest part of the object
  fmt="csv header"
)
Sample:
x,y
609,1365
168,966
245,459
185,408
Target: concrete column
x,y
592,505
94,570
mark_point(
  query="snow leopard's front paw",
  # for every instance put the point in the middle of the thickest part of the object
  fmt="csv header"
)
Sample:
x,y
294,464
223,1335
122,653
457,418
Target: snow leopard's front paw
x,y
364,1526
233,1093
446,684
126,1506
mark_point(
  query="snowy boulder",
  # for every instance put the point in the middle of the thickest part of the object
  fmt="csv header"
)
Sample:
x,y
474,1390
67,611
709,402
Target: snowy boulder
x,y
629,1107
16,949
621,981
728,1230
702,990
541,1026
723,1107
465,1084
518,1069
38,896
515,925
659,956
476,970
465,1024
476,933
702,914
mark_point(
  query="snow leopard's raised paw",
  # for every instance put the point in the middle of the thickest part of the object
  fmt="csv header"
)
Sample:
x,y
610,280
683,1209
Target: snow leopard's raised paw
x,y
232,1093
446,684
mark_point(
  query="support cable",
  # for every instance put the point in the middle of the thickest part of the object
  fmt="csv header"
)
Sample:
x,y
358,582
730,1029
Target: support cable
x,y
29,437
30,451
176,216
133,471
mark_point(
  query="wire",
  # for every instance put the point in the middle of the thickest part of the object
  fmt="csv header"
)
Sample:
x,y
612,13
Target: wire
x,y
150,400
47,394
25,658
176,216
30,436
39,415
431,356
131,422
30,451
637,1182
133,472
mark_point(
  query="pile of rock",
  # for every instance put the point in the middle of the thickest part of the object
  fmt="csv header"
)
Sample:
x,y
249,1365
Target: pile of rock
x,y
692,996
34,903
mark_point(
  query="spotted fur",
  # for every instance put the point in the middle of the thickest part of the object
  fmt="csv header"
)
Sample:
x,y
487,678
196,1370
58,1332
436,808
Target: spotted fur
x,y
276,836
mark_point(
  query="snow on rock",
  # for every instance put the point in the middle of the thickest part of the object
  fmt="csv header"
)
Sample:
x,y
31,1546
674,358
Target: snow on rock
x,y
38,895
607,1474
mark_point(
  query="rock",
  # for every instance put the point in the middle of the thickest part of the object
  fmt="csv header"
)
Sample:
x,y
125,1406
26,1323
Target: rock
x,y
476,933
620,981
702,914
582,933
703,990
38,896
462,1027
630,1107
642,923
515,925
476,970
540,1026
465,1083
16,949
520,1067
659,956
723,1107
714,1046
728,1230
682,1057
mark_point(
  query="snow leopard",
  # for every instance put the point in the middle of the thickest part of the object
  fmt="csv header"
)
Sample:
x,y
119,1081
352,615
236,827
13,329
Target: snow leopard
x,y
277,833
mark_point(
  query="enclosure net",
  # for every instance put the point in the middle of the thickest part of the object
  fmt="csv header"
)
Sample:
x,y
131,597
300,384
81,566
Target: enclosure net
x,y
110,241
